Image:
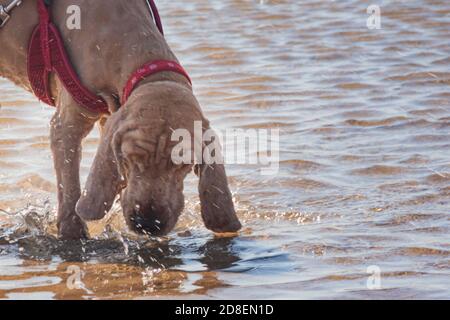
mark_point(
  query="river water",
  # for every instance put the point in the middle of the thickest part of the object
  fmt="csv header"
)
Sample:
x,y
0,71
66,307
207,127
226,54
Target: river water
x,y
358,209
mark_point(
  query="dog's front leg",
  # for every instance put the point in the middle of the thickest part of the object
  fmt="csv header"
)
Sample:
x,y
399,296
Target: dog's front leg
x,y
69,126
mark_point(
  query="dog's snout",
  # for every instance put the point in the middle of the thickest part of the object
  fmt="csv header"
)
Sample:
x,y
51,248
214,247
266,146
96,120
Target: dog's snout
x,y
152,208
150,221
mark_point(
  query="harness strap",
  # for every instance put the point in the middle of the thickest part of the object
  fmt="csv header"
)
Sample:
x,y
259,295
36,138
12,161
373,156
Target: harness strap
x,y
44,23
155,13
47,54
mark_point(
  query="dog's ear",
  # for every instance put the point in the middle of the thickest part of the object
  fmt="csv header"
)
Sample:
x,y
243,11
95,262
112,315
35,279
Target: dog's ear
x,y
104,181
217,206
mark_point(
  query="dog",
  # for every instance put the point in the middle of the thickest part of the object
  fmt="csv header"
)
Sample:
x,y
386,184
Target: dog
x,y
116,38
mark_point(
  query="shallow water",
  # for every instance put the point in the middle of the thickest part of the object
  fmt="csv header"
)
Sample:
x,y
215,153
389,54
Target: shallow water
x,y
364,176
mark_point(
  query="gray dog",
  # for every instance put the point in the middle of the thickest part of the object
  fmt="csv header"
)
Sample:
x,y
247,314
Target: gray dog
x,y
116,38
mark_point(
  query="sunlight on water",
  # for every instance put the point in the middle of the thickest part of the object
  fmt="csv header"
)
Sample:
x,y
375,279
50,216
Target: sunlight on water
x,y
364,171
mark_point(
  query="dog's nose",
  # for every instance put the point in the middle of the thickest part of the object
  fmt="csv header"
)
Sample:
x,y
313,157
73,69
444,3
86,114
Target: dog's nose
x,y
150,223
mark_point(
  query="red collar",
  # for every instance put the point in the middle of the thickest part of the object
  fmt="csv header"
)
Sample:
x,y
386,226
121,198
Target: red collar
x,y
149,69
47,54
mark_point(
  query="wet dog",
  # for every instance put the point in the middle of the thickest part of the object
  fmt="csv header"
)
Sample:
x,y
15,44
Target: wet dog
x,y
134,157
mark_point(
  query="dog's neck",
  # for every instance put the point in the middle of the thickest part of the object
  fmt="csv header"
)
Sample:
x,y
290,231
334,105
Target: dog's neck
x,y
103,52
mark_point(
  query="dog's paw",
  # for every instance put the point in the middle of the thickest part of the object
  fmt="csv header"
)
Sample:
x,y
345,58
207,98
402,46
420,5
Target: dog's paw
x,y
72,228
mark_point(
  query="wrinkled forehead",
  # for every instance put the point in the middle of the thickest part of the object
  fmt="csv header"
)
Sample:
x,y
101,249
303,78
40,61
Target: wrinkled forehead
x,y
161,170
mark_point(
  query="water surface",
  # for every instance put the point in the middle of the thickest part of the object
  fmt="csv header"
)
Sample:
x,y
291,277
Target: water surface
x,y
364,175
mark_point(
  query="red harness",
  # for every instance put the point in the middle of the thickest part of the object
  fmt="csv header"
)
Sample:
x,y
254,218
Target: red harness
x,y
47,54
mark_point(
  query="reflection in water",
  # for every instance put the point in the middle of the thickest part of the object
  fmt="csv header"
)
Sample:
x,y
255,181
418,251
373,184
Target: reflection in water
x,y
218,254
188,264
364,172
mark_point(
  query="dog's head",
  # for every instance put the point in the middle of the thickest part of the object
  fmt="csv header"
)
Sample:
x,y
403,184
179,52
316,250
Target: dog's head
x,y
135,158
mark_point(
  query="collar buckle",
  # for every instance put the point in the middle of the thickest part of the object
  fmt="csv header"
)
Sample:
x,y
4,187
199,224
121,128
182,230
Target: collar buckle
x,y
6,10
